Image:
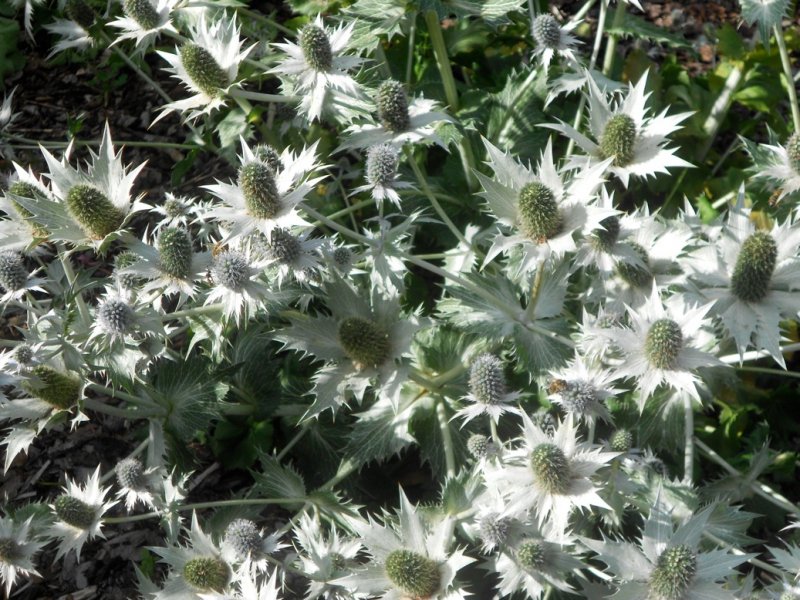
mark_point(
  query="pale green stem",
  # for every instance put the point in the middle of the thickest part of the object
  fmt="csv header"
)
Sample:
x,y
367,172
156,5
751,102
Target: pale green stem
x,y
83,310
204,505
583,11
336,226
753,561
688,446
115,411
719,109
101,389
259,97
611,46
209,309
349,210
756,354
768,371
536,286
297,437
592,431
410,56
495,435
136,452
434,202
761,489
787,71
447,439
119,143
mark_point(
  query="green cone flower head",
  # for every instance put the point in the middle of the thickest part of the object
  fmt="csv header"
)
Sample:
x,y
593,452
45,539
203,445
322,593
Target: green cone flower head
x,y
621,440
478,445
539,216
551,468
93,211
619,139
392,103
74,511
604,238
244,537
663,344
343,258
207,574
487,383
754,267
175,252
257,182
793,151
143,12
203,69
634,275
80,12
10,550
13,274
530,555
413,573
23,354
675,569
284,246
365,342
316,47
546,31
269,156
54,387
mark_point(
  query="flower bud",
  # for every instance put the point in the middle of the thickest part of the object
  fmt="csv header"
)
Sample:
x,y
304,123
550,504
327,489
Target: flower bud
x,y
551,468
74,512
284,246
413,573
487,383
130,474
619,140
13,274
675,569
123,261
231,270
343,258
57,389
207,574
392,105
175,252
115,316
24,189
546,31
365,342
754,267
175,207
478,445
578,396
257,183
92,209
10,550
530,555
269,156
316,47
663,344
382,163
539,216
203,69
143,12
23,354
621,440
244,537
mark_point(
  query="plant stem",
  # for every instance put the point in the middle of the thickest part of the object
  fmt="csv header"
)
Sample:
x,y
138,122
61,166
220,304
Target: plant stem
x,y
258,96
383,62
258,17
719,110
112,393
760,489
756,354
447,439
190,312
297,437
204,505
136,452
495,435
753,561
336,226
611,46
768,371
410,56
115,411
787,71
83,310
688,446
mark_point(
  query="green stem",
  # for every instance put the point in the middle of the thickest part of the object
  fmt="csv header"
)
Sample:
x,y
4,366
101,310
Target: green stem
x,y
115,411
136,452
753,561
209,309
297,437
447,439
204,505
83,310
112,393
336,226
768,371
258,96
787,71
611,46
756,354
495,435
536,286
383,62
688,446
442,59
411,47
258,17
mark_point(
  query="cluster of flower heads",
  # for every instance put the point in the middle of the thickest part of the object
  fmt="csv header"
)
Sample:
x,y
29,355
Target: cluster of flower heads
x,y
667,304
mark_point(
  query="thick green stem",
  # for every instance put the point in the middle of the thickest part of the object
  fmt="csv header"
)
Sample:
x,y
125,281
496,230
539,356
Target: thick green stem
x,y
204,505
447,439
259,97
115,411
611,46
83,310
688,446
297,437
209,309
787,71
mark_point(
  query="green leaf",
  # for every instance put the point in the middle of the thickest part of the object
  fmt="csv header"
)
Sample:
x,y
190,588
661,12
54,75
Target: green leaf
x,y
11,59
380,432
425,427
636,27
375,18
257,380
766,13
182,167
278,481
237,445
231,127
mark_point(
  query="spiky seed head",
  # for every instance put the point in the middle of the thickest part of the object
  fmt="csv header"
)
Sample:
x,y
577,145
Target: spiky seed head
x,y
257,183
621,440
54,387
392,105
551,468
23,189
130,474
93,211
619,140
494,529
285,246
123,261
365,342
13,273
115,316
231,269
244,537
175,252
546,31
539,217
143,12
578,396
413,573
382,163
675,569
23,354
316,47
604,237
530,555
754,267
207,574
487,383
343,258
478,445
269,156
793,151
203,69
74,511
635,275
80,12
175,208
10,550
663,344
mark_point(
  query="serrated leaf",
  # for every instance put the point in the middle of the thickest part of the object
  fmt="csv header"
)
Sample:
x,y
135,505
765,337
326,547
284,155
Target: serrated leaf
x,y
730,524
256,378
766,13
427,430
380,432
231,128
278,481
375,18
